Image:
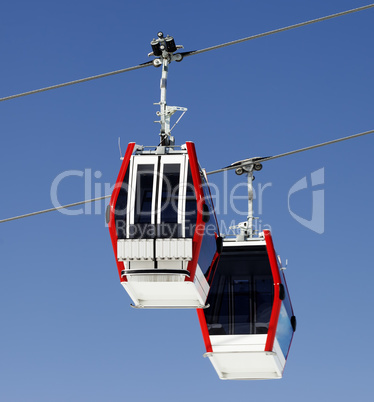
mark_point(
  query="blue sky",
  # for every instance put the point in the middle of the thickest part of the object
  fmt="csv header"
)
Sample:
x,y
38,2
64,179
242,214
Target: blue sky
x,y
68,332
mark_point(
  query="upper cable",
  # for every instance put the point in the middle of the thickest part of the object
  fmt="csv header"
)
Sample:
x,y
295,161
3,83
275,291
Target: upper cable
x,y
187,54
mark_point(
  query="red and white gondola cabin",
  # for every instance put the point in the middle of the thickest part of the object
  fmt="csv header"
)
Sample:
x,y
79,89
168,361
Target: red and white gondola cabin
x,y
163,227
249,324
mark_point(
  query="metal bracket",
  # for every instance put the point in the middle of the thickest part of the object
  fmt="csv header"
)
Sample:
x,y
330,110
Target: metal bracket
x,y
164,49
246,228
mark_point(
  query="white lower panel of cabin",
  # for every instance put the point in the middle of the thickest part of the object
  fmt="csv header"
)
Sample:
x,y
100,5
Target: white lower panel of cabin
x,y
167,290
242,357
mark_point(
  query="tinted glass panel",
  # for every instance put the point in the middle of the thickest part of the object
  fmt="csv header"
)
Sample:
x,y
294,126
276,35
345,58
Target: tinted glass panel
x,y
191,207
169,202
264,303
143,195
206,192
121,207
222,304
284,332
208,249
286,301
241,295
142,228
241,306
208,246
170,191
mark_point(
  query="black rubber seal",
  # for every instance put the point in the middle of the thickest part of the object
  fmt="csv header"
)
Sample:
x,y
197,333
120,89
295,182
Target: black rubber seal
x,y
156,272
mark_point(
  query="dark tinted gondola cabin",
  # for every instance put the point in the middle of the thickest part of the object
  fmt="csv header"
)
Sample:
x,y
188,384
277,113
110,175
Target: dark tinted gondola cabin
x,y
163,227
249,325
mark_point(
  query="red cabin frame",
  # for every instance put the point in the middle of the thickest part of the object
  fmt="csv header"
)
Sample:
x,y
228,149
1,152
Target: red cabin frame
x,y
223,350
205,258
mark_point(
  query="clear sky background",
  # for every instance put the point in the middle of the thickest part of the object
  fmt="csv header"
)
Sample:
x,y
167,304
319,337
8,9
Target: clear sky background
x,y
68,332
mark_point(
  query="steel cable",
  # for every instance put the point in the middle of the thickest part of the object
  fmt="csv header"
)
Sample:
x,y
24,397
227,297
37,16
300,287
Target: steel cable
x,y
258,160
187,54
74,204
65,84
301,24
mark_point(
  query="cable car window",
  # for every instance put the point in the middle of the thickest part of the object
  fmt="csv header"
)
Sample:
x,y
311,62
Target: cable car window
x,y
209,245
286,301
263,303
191,206
246,299
169,201
121,208
242,301
284,332
170,190
206,192
143,200
217,315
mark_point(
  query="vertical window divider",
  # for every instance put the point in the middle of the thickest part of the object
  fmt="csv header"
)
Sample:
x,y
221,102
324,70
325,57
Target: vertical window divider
x,y
183,195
